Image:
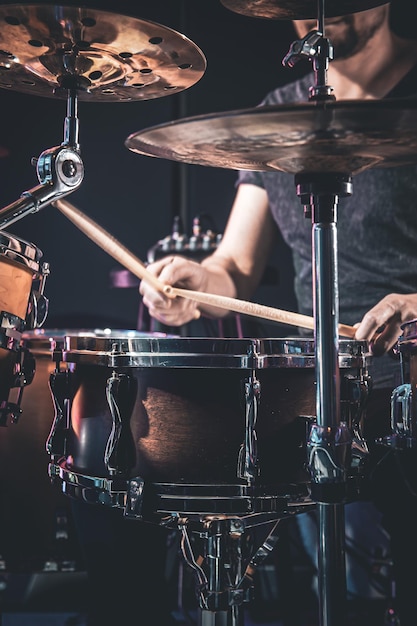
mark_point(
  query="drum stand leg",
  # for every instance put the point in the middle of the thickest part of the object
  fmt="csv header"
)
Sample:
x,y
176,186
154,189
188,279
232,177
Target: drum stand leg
x,y
224,573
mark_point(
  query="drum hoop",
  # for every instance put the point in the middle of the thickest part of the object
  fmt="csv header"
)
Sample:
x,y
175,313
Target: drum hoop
x,y
203,352
167,498
20,259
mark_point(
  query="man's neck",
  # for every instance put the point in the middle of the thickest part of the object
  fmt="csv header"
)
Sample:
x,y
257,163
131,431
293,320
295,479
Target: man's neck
x,y
375,70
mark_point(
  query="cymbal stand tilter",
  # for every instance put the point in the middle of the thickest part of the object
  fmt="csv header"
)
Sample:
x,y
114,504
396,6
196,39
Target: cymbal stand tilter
x,y
329,440
60,170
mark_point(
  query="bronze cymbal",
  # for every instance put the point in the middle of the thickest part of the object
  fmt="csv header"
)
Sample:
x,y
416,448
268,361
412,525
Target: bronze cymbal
x,y
345,137
299,10
110,57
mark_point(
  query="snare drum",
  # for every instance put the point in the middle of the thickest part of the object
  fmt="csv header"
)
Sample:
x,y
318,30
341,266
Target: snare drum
x,y
197,424
21,307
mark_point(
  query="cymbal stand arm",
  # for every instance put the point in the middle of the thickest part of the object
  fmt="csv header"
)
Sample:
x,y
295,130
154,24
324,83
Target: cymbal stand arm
x,y
60,171
329,441
319,50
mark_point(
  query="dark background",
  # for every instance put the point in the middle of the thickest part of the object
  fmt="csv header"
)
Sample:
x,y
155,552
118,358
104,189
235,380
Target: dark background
x,y
135,197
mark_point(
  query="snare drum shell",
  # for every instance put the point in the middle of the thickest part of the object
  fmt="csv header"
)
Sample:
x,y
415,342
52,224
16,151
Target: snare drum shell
x,y
187,424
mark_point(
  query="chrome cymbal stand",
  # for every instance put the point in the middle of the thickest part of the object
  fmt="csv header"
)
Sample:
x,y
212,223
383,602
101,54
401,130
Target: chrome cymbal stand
x,y
60,170
329,441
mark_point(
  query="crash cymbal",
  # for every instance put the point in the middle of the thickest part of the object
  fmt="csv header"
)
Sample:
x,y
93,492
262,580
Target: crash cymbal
x,y
298,10
346,137
112,58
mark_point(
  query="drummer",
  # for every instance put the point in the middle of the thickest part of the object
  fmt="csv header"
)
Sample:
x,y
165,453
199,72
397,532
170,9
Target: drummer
x,y
377,269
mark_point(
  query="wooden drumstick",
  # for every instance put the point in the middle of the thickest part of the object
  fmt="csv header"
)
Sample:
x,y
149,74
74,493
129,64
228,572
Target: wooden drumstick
x,y
256,310
119,252
108,243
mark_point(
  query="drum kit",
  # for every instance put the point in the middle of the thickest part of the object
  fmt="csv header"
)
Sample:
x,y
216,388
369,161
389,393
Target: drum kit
x,y
201,434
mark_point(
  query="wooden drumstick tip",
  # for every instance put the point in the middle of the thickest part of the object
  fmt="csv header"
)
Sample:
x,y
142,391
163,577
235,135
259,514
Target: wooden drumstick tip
x,y
170,291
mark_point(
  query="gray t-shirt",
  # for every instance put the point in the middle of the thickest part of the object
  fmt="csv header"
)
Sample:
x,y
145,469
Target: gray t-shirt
x,y
376,229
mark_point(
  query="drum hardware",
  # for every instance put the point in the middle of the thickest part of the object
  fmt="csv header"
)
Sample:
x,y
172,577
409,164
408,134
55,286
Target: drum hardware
x,y
60,170
248,461
23,373
89,55
403,427
196,246
356,391
62,387
38,303
403,399
225,568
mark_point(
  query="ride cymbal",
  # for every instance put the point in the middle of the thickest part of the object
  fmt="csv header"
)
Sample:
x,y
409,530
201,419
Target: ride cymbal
x,y
107,57
298,10
345,137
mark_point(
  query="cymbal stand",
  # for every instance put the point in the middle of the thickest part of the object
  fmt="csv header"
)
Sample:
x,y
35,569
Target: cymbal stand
x,y
329,441
60,170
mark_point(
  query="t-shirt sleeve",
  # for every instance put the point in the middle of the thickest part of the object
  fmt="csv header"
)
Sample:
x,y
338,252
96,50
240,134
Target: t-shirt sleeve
x,y
250,178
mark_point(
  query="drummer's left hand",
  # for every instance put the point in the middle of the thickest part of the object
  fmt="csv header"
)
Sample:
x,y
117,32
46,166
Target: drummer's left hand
x,y
381,325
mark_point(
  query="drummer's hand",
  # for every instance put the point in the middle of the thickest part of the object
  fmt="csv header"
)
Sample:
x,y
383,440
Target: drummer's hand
x,y
177,272
381,325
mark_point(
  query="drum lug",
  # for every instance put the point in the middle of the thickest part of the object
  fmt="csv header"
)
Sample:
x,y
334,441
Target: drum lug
x,y
120,393
403,433
62,386
38,303
11,329
354,396
248,454
134,498
329,456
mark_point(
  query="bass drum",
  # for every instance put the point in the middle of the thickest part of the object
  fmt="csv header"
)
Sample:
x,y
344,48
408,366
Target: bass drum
x,y
35,524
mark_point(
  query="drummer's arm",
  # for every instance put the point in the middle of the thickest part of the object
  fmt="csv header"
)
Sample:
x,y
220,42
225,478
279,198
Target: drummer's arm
x,y
236,267
233,270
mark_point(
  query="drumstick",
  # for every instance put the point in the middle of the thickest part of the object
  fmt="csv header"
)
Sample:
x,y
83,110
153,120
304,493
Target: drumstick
x,y
108,243
119,252
256,310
